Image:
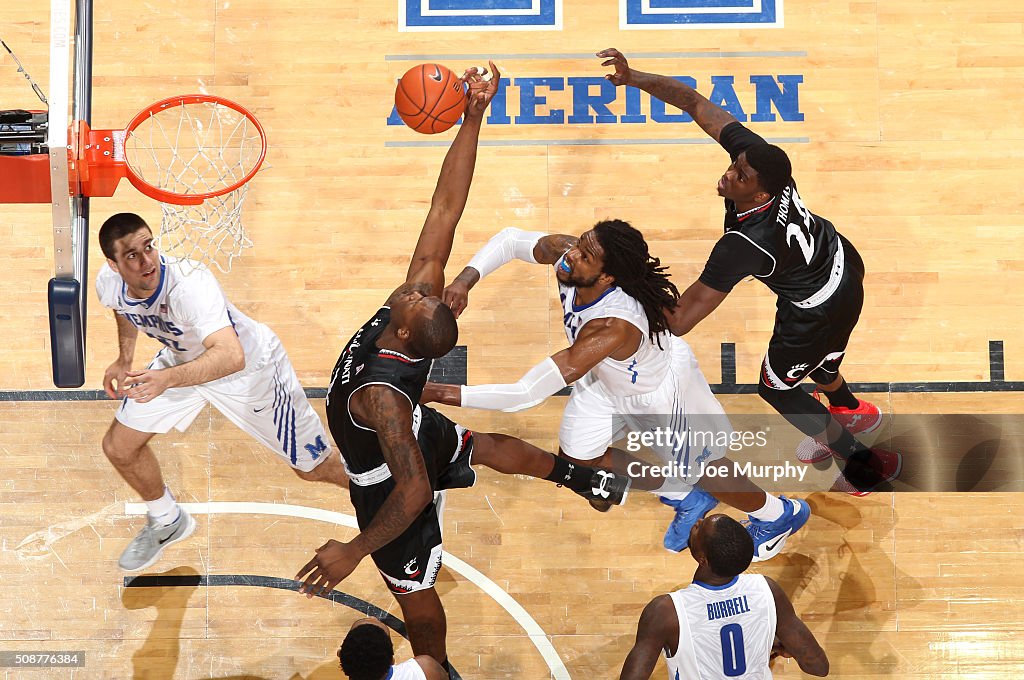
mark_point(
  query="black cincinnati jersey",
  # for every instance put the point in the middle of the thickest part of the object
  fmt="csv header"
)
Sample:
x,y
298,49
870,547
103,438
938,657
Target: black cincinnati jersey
x,y
793,251
362,363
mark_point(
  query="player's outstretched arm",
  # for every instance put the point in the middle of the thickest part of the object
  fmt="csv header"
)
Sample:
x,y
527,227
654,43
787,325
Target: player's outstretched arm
x,y
388,412
693,306
708,116
449,200
795,638
658,629
598,339
115,377
508,244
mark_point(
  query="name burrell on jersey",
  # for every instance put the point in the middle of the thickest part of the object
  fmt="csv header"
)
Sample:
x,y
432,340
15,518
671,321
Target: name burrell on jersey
x,y
725,608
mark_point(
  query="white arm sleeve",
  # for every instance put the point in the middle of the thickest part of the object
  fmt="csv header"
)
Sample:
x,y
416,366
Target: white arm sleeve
x,y
539,383
507,245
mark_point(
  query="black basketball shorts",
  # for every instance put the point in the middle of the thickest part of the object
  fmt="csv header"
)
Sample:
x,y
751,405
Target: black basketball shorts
x,y
411,561
813,340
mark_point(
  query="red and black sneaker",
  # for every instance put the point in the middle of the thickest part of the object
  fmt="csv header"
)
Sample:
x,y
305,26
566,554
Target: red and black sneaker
x,y
861,420
861,478
810,451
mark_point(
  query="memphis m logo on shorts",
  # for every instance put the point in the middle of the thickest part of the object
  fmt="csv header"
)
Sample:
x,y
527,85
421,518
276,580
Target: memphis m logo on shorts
x,y
317,448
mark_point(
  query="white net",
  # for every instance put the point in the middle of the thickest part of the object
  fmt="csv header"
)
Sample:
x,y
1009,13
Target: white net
x,y
191,147
210,232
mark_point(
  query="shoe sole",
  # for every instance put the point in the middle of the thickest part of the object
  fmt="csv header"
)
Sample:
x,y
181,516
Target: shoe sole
x,y
625,492
185,534
685,547
804,510
818,459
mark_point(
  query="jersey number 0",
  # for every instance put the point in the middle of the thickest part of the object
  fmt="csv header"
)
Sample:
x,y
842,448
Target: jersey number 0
x,y
734,659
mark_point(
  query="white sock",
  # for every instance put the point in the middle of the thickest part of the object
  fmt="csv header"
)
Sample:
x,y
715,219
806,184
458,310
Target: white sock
x,y
772,510
163,510
671,495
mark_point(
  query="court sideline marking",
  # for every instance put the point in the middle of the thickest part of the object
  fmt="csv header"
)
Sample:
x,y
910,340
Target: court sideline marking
x,y
533,630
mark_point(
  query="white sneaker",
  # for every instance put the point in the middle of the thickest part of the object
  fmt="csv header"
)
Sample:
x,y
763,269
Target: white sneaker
x,y
145,548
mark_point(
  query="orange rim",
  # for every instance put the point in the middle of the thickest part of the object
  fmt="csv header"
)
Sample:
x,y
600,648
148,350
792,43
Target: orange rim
x,y
166,196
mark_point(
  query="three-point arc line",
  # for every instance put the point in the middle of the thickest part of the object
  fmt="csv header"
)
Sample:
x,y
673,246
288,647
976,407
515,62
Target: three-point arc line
x,y
255,580
533,630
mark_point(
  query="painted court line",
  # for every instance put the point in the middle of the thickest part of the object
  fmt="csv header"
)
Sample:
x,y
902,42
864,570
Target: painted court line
x,y
587,142
533,630
591,55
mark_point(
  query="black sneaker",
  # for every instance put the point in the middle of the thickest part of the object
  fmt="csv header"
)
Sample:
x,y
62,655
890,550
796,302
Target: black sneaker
x,y
606,489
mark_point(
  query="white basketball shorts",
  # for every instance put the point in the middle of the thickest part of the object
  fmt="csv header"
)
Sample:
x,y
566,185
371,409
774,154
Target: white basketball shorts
x,y
682,407
264,399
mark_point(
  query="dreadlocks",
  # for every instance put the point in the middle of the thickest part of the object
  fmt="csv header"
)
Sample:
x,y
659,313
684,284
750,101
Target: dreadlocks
x,y
642,277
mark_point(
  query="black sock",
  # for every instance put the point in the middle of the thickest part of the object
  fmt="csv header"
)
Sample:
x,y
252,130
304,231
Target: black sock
x,y
576,477
849,448
842,397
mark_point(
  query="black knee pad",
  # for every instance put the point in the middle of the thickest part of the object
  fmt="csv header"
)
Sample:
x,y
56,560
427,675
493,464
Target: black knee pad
x,y
821,376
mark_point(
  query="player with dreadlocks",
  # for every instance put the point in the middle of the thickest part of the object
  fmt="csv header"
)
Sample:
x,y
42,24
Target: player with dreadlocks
x,y
630,373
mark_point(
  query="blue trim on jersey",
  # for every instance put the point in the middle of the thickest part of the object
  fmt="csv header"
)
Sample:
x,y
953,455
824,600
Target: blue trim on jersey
x,y
148,302
730,584
391,673
589,304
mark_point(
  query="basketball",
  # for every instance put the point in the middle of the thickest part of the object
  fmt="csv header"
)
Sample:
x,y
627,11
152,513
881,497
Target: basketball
x,y
429,98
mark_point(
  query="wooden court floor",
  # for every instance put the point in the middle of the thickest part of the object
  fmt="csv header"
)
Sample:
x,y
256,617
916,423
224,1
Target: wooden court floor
x,y
903,585
907,133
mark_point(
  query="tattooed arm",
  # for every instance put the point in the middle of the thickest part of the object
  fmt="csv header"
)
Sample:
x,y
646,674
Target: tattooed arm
x,y
388,412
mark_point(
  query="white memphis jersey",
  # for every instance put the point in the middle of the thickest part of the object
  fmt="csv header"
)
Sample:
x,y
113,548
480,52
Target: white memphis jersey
x,y
182,311
407,670
639,374
725,632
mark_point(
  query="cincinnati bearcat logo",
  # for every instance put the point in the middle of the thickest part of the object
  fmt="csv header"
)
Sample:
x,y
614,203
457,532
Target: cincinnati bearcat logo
x,y
796,371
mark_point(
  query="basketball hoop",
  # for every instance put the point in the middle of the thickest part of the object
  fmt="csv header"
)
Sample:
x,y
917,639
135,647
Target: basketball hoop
x,y
195,154
192,153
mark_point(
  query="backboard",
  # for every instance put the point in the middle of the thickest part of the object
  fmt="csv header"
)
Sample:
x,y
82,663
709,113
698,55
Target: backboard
x,y
66,293
192,153
39,163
